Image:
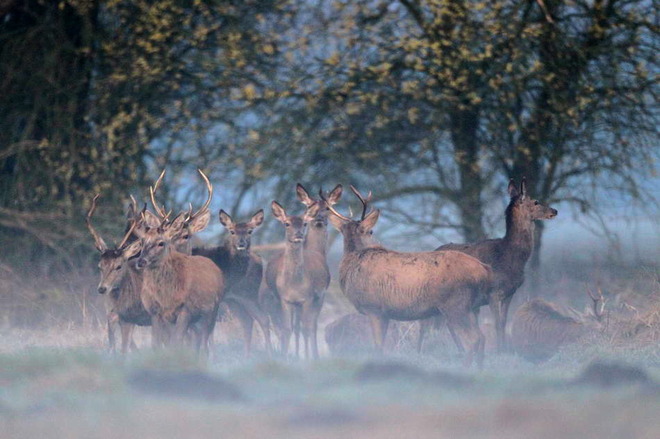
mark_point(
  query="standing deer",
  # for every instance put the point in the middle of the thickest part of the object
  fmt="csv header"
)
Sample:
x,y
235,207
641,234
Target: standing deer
x,y
508,255
121,280
315,244
243,271
179,291
539,327
299,281
385,284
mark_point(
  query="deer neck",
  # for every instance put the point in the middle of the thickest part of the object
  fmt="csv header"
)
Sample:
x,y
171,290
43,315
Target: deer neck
x,y
162,279
519,239
317,239
294,261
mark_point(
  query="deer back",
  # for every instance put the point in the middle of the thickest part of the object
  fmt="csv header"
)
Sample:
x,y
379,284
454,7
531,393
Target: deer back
x,y
412,285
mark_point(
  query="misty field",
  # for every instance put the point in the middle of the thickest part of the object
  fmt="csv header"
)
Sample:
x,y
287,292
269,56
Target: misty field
x,y
61,382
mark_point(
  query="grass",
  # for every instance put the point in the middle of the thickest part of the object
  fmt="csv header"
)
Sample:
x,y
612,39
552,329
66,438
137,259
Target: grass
x,y
81,391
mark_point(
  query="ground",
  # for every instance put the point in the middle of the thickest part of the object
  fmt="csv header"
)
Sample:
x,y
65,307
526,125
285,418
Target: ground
x,y
62,383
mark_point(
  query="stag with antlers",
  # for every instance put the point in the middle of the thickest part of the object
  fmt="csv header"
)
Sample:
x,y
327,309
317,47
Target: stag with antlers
x,y
385,284
121,280
180,292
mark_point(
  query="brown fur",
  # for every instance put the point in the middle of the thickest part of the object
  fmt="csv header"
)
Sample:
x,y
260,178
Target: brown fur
x,y
243,271
179,291
120,281
508,255
539,328
386,284
296,280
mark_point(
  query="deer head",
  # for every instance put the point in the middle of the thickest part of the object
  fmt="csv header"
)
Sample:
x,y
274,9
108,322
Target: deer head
x,y
193,222
357,233
593,314
523,207
158,242
114,262
294,226
240,234
321,219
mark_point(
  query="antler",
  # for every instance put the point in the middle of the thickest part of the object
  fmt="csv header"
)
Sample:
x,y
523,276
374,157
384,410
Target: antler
x,y
332,209
364,201
209,188
99,242
134,223
597,298
152,190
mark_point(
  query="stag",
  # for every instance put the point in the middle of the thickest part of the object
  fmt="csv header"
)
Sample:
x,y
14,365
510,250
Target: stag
x,y
179,291
243,271
385,284
539,327
508,255
121,280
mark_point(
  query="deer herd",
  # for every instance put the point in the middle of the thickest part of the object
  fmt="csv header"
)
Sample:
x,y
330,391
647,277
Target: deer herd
x,y
154,277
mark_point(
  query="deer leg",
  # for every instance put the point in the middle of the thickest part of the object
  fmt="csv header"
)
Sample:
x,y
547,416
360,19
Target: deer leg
x,y
467,329
113,319
495,305
181,326
246,324
505,312
288,314
379,328
310,315
126,335
424,326
260,316
296,327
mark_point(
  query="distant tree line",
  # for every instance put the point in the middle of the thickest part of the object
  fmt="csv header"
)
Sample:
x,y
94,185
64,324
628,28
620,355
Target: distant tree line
x,y
431,104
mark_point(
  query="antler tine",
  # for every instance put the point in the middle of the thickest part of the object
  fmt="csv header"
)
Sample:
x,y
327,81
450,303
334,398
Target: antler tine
x,y
134,224
160,178
100,243
159,210
332,209
209,188
596,299
364,201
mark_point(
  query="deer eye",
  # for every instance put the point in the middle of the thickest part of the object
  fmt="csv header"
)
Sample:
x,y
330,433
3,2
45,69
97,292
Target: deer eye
x,y
118,268
249,232
286,224
536,203
232,232
161,244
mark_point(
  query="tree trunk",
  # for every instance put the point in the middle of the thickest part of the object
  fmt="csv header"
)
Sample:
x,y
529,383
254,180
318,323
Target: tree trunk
x,y
464,126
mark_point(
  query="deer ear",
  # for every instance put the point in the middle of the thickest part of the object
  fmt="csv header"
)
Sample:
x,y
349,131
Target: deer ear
x,y
335,195
523,187
311,212
278,211
370,220
151,220
512,189
303,195
200,222
257,219
225,219
132,249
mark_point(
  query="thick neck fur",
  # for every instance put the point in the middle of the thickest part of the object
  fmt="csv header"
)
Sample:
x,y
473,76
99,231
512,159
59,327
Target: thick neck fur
x,y
164,279
519,238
